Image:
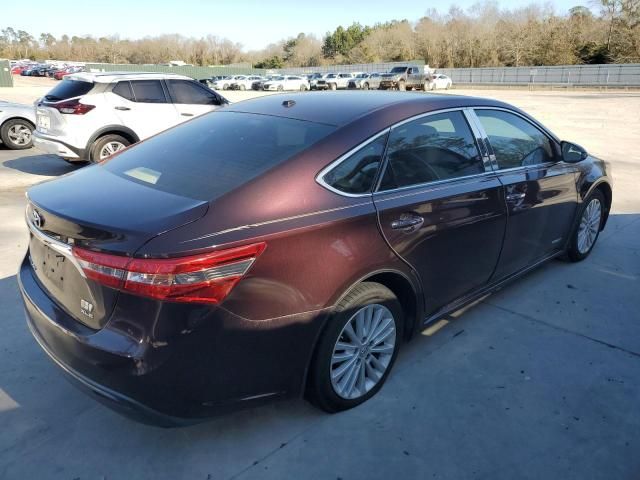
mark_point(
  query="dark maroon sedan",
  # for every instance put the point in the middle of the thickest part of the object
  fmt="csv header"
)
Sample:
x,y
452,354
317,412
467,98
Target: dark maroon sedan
x,y
288,245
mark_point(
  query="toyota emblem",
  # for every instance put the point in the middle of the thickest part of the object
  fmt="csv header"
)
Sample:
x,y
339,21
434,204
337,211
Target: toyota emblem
x,y
36,219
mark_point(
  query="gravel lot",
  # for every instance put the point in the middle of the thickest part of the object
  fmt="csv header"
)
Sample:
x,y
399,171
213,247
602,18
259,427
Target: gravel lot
x,y
537,381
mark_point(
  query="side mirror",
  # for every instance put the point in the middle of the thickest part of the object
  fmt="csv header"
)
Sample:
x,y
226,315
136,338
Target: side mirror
x,y
572,153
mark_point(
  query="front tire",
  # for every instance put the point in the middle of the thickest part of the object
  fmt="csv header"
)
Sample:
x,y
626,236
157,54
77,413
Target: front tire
x,y
402,86
333,86
16,134
357,349
587,230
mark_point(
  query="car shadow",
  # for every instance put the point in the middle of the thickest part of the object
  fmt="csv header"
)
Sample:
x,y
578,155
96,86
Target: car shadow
x,y
35,163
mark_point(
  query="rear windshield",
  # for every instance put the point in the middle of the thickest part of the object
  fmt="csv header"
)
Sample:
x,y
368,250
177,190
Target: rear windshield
x,y
68,89
211,155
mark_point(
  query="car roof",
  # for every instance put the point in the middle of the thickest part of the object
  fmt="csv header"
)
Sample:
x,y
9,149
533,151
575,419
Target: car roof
x,y
108,77
340,108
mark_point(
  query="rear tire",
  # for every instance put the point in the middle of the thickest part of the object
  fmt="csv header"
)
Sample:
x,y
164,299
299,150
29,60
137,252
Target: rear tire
x,y
16,134
371,310
106,146
586,232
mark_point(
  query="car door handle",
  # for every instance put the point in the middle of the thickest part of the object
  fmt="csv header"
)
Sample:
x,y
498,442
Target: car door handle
x,y
407,222
512,197
122,108
187,114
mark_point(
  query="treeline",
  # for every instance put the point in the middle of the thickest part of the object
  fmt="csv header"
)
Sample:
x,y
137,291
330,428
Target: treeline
x,y
484,35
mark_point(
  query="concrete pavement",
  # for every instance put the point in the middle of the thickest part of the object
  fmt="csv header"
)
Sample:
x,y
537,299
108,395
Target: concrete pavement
x,y
537,381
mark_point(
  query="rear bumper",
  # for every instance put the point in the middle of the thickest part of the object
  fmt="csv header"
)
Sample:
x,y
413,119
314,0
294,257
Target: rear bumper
x,y
53,146
179,364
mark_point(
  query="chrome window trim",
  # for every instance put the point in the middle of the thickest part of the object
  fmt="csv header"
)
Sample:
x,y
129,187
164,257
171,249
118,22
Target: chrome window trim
x,y
532,121
494,161
442,184
478,132
320,176
489,162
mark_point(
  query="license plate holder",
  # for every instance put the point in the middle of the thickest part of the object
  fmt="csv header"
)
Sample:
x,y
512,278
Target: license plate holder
x,y
44,122
52,266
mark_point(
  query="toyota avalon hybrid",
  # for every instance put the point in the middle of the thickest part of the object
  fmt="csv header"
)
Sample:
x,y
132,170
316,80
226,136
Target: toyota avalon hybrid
x,y
289,245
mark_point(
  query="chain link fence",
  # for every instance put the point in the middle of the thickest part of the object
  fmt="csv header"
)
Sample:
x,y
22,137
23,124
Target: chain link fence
x,y
356,67
620,75
198,73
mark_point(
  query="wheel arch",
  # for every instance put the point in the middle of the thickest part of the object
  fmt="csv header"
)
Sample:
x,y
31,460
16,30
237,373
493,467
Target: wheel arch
x,y
126,132
18,117
407,291
605,189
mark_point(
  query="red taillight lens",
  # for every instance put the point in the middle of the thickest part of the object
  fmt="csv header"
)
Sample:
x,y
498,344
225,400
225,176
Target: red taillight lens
x,y
206,278
73,107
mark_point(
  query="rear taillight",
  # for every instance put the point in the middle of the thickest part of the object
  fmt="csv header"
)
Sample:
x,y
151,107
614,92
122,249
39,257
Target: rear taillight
x,y
73,107
205,278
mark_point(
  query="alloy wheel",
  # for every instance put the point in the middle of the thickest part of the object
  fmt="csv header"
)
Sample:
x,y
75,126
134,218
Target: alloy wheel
x,y
110,148
589,225
363,351
19,134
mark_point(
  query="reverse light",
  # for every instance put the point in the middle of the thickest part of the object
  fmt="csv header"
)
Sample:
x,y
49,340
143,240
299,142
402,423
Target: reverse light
x,y
73,107
205,278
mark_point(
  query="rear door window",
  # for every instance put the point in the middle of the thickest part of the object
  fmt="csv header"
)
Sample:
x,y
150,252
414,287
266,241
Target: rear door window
x,y
123,89
68,89
187,92
216,153
432,148
148,91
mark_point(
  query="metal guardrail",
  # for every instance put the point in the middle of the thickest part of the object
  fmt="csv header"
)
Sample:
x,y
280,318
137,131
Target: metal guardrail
x,y
611,75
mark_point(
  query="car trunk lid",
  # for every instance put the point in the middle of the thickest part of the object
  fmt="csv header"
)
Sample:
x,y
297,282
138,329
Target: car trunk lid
x,y
113,215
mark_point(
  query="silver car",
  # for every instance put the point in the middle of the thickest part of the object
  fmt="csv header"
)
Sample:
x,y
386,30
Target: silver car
x,y
365,81
17,122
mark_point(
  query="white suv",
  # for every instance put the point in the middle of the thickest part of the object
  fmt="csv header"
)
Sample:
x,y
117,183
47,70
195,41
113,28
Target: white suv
x,y
89,116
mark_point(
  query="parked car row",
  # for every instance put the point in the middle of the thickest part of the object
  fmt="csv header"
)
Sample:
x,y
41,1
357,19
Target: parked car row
x,y
257,82
399,78
57,72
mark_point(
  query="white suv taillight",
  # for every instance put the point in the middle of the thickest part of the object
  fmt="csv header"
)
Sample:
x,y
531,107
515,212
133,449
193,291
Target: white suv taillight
x,y
205,278
72,107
